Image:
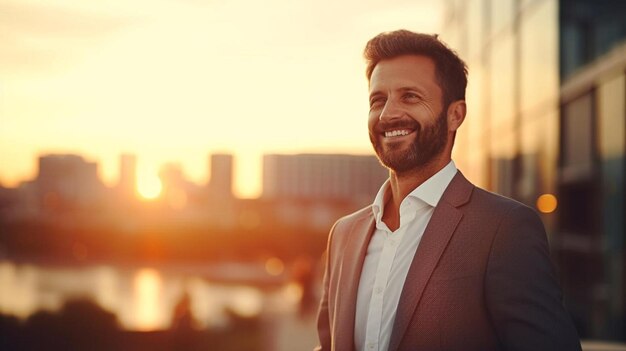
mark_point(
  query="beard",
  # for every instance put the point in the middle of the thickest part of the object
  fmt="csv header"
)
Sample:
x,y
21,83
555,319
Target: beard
x,y
428,143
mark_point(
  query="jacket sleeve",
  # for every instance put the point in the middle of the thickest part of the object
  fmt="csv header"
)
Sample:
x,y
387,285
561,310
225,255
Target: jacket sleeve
x,y
323,316
521,291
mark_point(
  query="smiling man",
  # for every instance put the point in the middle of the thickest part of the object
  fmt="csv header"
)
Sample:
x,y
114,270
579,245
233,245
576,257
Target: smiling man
x,y
434,263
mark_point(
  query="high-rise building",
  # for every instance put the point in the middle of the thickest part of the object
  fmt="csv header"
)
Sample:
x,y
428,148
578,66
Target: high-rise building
x,y
322,176
546,117
128,175
221,176
67,182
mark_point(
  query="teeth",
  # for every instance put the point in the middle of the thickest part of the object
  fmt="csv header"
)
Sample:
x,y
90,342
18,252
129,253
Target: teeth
x,y
394,133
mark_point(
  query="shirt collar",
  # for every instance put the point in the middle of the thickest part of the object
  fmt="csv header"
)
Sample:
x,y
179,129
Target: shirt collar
x,y
429,192
379,201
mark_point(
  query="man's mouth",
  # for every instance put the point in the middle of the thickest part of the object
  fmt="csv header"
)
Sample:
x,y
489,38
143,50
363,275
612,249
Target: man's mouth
x,y
397,133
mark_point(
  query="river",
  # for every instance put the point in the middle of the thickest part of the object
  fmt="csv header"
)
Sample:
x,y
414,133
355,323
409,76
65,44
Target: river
x,y
145,297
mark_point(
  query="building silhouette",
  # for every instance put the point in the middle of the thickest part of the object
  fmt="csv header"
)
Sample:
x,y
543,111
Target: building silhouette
x,y
67,182
128,176
221,176
354,178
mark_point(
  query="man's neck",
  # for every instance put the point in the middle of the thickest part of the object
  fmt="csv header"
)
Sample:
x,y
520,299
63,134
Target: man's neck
x,y
402,184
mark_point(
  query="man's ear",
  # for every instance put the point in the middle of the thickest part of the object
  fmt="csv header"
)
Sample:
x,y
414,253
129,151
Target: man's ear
x,y
456,115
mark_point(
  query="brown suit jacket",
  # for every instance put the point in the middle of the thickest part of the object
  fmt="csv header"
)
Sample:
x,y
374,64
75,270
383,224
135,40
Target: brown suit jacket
x,y
481,279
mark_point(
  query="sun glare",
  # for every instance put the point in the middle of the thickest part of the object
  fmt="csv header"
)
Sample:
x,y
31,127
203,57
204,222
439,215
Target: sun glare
x,y
149,187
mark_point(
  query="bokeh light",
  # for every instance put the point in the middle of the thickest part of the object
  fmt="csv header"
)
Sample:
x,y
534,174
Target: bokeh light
x,y
547,203
274,266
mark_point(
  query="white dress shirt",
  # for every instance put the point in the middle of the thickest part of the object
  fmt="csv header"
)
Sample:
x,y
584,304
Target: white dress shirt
x,y
389,256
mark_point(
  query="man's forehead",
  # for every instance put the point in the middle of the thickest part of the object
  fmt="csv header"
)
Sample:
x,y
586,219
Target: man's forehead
x,y
407,71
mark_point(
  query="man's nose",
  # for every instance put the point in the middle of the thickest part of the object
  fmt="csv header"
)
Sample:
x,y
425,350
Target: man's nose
x,y
390,111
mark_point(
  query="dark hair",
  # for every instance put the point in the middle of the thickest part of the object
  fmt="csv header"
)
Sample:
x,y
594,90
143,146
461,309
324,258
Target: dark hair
x,y
450,70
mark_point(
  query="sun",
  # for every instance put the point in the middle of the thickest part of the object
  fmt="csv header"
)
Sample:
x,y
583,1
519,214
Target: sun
x,y
149,187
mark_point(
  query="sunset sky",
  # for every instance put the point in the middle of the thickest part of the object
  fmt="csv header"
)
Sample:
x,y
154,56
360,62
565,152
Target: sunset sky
x,y
174,81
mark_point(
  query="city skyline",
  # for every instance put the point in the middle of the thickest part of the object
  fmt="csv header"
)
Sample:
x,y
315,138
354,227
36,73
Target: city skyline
x,y
332,170
169,80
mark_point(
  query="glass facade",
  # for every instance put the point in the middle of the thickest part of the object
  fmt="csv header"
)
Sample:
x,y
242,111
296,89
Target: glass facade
x,y
546,115
589,28
511,48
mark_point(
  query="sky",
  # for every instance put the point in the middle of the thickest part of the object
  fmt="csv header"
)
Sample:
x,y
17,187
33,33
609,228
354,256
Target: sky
x,y
173,81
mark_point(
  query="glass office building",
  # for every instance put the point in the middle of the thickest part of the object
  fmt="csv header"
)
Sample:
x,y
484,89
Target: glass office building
x,y
546,126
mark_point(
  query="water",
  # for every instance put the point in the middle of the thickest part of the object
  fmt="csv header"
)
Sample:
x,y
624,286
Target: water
x,y
142,298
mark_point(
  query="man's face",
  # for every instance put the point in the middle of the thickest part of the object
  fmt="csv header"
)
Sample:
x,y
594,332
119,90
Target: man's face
x,y
407,122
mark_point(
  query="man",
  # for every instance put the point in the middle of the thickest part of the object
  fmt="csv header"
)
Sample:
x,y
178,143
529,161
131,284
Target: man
x,y
435,263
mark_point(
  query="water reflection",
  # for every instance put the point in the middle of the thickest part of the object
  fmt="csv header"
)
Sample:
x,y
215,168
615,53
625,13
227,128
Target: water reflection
x,y
143,298
147,287
17,290
246,302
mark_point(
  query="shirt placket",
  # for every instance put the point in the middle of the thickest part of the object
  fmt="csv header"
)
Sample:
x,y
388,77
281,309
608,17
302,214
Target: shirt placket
x,y
383,272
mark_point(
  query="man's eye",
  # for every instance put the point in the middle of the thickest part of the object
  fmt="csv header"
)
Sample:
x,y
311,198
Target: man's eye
x,y
377,102
411,96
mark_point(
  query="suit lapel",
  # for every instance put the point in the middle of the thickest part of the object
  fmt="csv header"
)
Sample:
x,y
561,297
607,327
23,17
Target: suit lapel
x,y
351,266
434,241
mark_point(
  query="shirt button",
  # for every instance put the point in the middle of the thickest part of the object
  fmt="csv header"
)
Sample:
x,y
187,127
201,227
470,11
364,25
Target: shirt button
x,y
371,345
392,242
379,290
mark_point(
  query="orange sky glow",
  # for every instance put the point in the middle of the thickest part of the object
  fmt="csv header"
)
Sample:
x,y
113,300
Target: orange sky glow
x,y
174,81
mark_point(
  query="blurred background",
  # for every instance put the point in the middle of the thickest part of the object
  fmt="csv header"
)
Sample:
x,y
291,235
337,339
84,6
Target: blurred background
x,y
169,170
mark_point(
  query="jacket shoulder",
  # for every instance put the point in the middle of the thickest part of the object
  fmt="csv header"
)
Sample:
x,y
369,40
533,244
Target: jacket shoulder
x,y
348,220
498,203
344,225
